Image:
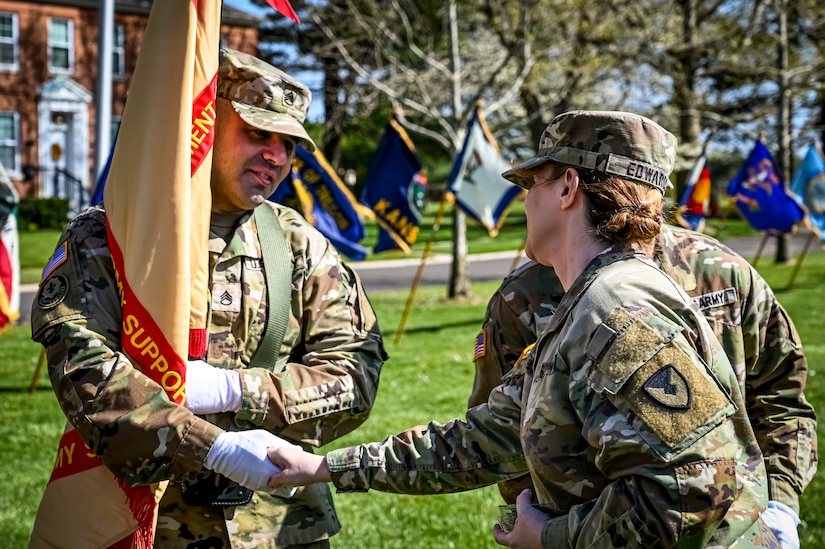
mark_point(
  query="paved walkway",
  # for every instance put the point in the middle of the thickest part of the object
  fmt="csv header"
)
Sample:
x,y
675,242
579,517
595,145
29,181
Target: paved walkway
x,y
748,246
493,266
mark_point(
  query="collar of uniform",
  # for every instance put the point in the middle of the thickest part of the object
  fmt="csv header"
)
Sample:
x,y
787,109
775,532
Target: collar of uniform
x,y
617,252
244,242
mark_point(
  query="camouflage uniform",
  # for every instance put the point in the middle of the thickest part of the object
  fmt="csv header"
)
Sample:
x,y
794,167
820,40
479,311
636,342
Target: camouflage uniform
x,y
627,414
753,328
321,387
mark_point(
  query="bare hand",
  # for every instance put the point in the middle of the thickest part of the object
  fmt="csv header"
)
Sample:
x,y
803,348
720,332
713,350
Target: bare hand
x,y
298,468
526,534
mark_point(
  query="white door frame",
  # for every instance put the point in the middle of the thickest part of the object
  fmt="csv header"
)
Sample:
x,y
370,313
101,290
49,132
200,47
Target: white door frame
x,y
64,95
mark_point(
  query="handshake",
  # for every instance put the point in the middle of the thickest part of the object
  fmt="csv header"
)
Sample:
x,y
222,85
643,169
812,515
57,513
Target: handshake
x,y
255,459
261,461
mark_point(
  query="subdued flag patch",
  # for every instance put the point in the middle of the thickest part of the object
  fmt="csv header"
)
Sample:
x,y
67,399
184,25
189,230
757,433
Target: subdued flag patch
x,y
58,258
481,345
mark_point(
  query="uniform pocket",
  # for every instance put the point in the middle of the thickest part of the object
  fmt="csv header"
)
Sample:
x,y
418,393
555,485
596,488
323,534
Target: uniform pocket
x,y
652,375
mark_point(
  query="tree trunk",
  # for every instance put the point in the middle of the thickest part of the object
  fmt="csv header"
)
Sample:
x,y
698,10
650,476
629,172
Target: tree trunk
x,y
783,118
459,274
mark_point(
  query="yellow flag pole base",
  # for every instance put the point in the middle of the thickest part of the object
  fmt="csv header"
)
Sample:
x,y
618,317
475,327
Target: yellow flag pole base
x,y
37,369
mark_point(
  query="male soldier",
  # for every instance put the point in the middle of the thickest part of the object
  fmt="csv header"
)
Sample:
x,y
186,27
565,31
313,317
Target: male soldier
x,y
753,328
319,384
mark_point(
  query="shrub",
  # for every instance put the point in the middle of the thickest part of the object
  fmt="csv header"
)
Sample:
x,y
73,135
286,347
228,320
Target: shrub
x,y
43,213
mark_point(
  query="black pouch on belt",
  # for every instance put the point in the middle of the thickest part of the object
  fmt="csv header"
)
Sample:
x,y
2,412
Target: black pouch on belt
x,y
210,488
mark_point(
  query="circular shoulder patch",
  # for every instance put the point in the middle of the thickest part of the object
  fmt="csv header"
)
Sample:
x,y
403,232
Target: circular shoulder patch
x,y
52,292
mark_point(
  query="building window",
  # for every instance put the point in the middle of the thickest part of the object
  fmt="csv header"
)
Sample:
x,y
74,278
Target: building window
x,y
8,41
118,55
9,141
61,45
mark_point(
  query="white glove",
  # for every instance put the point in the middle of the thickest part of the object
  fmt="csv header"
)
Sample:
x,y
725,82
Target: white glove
x,y
211,390
241,456
782,520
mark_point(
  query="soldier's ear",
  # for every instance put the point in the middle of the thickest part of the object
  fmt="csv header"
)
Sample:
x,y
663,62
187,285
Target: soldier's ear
x,y
568,186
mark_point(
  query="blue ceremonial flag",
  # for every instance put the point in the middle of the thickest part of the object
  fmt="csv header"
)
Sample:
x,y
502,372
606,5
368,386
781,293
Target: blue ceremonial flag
x,y
394,189
97,196
809,186
476,180
760,196
316,191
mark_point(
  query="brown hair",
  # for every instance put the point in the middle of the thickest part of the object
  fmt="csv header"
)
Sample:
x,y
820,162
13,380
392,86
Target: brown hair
x,y
619,210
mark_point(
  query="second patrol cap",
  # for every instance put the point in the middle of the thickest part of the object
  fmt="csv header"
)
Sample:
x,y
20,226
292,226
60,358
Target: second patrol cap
x,y
623,144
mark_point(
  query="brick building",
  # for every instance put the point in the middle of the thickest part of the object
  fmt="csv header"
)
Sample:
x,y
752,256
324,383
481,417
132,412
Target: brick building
x,y
48,79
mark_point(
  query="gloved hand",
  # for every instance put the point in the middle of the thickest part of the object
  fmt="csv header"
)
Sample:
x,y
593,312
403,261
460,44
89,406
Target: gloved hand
x,y
241,456
210,390
782,520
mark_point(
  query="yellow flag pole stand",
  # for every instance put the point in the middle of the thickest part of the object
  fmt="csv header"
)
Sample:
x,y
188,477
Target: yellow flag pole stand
x,y
37,369
759,251
799,260
448,197
517,259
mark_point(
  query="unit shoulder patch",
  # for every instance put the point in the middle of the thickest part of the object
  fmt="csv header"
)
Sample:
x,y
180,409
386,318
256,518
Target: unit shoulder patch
x,y
675,396
669,388
52,292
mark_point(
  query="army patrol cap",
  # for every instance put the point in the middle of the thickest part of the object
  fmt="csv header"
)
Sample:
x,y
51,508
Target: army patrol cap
x,y
623,144
264,96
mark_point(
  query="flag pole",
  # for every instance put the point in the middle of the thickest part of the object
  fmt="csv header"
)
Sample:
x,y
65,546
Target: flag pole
x,y
516,259
799,260
447,198
37,369
759,251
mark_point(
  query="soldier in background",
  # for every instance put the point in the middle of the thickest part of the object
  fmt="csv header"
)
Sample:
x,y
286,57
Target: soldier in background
x,y
626,413
755,331
319,383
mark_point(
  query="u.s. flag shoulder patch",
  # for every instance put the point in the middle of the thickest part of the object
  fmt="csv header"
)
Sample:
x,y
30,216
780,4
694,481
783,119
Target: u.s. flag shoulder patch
x,y
481,345
61,254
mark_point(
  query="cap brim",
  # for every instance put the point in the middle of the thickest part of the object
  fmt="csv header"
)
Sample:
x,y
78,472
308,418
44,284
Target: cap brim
x,y
274,122
522,175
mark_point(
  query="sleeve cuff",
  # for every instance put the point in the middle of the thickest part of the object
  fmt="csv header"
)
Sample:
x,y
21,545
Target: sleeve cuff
x,y
555,534
346,470
783,491
194,447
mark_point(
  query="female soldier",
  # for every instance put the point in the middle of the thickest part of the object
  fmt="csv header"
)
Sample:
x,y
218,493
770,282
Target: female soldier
x,y
626,413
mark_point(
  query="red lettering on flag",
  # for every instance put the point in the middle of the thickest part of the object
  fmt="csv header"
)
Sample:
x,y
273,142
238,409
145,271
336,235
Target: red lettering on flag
x,y
73,456
203,123
142,338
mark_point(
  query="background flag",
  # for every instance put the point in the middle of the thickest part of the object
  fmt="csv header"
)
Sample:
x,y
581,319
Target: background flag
x,y
476,178
316,191
284,8
760,196
809,186
157,200
9,253
394,190
695,203
100,184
